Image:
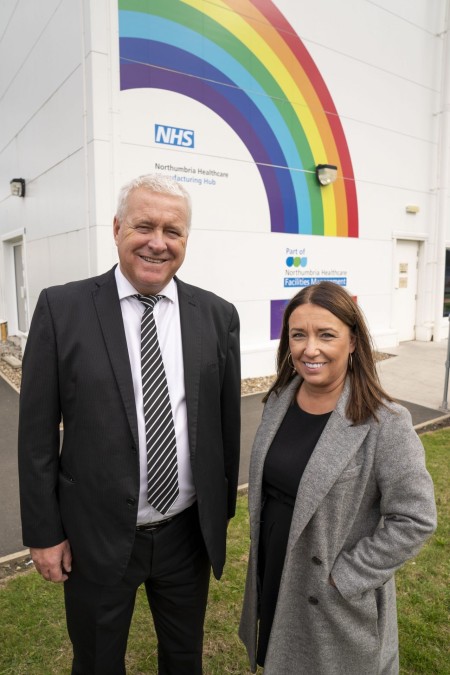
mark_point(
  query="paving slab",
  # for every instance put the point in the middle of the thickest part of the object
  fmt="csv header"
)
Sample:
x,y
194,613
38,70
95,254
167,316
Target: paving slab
x,y
416,373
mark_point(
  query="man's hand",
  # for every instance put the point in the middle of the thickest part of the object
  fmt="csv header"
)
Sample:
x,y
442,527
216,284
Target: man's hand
x,y
53,563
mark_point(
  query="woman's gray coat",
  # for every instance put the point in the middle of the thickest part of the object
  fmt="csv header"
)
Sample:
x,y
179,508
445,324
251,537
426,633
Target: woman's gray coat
x,y
365,505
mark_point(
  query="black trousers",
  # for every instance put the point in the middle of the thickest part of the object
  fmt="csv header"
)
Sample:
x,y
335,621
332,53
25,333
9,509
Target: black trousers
x,y
173,564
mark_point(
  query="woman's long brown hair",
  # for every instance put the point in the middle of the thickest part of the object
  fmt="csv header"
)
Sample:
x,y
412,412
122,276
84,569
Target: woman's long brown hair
x,y
367,394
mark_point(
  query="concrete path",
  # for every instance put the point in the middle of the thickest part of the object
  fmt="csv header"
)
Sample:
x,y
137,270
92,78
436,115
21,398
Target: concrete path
x,y
414,375
10,528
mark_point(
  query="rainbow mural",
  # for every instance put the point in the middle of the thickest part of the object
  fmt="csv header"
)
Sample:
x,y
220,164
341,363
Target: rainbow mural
x,y
243,60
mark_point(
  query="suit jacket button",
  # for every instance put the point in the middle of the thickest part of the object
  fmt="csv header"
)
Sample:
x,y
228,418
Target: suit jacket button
x,y
316,560
131,501
313,600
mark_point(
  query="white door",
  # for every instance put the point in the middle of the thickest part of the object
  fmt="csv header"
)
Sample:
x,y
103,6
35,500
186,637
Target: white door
x,y
21,301
405,285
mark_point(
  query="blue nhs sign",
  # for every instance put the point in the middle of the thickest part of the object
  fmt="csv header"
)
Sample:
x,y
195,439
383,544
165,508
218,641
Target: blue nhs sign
x,y
174,136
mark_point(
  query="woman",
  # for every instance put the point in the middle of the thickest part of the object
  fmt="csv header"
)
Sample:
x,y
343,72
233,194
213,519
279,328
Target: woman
x,y
339,499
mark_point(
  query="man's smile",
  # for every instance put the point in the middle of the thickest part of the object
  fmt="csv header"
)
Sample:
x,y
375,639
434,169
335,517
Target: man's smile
x,y
157,261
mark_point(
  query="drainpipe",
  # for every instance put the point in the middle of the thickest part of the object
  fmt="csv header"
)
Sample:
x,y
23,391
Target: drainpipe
x,y
87,185
440,331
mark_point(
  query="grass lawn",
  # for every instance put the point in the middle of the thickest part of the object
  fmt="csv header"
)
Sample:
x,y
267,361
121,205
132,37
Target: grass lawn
x,y
33,637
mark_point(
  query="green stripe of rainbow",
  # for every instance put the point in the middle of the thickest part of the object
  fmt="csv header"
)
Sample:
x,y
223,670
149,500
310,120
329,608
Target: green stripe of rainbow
x,y
250,46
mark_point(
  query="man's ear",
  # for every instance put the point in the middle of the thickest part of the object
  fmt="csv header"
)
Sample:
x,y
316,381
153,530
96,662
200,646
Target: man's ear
x,y
116,227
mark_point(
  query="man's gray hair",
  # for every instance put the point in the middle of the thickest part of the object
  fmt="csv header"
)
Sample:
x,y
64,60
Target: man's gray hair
x,y
154,183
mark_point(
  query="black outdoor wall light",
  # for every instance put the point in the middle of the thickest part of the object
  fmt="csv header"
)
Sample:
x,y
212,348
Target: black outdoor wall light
x,y
17,186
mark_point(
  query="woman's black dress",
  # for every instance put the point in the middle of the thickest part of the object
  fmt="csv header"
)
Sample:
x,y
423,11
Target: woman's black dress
x,y
285,463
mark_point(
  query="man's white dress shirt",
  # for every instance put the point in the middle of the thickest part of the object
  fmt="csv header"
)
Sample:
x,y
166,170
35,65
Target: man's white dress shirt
x,y
167,319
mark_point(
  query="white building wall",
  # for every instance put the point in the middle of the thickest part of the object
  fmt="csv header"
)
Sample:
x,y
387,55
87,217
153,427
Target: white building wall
x,y
383,64
55,83
68,130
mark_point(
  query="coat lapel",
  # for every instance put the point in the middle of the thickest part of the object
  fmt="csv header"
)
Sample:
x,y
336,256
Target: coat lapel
x,y
106,300
338,443
191,337
270,423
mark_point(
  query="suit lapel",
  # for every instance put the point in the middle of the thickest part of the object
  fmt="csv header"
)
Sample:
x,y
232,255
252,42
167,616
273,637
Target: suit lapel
x,y
191,337
106,300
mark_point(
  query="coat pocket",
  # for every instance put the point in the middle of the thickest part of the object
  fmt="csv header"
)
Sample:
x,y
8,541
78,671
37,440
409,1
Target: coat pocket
x,y
349,474
66,477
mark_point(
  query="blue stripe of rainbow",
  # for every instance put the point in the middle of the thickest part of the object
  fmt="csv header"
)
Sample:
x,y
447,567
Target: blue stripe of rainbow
x,y
184,51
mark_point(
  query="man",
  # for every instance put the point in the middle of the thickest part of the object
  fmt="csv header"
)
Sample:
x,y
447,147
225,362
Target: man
x,y
89,513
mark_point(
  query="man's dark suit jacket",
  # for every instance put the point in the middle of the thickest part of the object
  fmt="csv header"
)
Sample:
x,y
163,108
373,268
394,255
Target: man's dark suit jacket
x,y
76,366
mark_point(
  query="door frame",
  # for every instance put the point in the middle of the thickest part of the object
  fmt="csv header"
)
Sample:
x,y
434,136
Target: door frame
x,y
8,242
422,328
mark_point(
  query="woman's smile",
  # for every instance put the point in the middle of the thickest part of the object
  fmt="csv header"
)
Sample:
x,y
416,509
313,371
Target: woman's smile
x,y
320,345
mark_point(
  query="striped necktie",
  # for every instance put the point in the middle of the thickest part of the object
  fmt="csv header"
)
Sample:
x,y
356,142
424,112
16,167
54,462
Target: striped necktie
x,y
162,467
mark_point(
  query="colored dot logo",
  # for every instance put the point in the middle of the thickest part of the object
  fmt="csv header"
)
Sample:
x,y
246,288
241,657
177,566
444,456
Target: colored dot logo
x,y
296,261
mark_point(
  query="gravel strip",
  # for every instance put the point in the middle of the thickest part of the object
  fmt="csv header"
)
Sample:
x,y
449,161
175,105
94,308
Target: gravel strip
x,y
11,347
251,385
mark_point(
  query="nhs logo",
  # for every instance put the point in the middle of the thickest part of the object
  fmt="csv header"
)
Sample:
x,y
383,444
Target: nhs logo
x,y
174,136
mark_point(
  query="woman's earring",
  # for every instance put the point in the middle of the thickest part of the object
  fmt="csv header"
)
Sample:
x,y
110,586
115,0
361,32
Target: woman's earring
x,y
350,361
291,362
